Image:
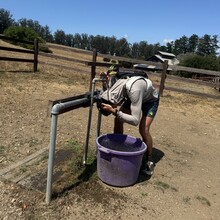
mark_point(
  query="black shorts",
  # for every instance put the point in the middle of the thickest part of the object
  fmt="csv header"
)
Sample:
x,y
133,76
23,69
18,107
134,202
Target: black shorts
x,y
148,108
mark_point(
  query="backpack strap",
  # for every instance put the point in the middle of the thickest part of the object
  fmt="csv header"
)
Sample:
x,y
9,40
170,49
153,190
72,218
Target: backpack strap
x,y
129,74
127,86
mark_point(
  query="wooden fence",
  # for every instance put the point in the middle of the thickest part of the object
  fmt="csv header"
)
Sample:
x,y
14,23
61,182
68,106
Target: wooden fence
x,y
94,55
34,52
94,64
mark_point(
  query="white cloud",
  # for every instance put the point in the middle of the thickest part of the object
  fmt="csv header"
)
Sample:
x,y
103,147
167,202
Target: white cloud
x,y
126,36
165,41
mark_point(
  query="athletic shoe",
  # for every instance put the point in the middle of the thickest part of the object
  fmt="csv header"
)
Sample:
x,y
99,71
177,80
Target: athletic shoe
x,y
149,170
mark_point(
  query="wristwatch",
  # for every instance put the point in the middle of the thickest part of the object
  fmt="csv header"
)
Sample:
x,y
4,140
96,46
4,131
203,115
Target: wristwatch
x,y
115,113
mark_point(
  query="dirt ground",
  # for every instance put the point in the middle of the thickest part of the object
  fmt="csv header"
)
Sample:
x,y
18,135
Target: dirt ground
x,y
186,131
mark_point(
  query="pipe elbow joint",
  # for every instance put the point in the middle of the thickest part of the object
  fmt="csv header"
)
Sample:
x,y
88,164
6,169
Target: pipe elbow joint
x,y
56,109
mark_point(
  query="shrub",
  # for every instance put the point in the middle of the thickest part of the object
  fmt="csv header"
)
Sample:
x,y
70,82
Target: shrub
x,y
105,59
25,34
208,62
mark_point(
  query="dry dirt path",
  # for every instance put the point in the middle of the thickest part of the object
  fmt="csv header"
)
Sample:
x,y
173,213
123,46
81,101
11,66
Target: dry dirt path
x,y
186,135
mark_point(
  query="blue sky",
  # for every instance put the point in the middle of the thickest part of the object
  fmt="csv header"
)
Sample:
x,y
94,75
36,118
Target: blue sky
x,y
140,20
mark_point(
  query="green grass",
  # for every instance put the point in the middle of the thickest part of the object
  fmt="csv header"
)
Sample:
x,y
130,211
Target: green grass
x,y
2,149
144,194
203,200
187,200
32,142
164,186
23,168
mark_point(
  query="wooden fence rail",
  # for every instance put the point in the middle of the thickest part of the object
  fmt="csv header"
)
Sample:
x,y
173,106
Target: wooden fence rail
x,y
94,62
34,52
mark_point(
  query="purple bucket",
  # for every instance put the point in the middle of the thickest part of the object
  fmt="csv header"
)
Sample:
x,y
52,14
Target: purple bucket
x,y
119,159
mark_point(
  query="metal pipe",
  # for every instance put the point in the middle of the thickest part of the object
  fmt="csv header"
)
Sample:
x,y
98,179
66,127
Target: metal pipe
x,y
99,123
51,157
55,112
89,120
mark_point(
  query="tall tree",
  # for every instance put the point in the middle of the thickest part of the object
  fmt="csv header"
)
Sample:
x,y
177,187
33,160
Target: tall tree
x,y
6,20
135,50
181,45
69,40
112,45
77,40
208,45
46,34
84,41
142,49
122,47
170,47
60,37
193,43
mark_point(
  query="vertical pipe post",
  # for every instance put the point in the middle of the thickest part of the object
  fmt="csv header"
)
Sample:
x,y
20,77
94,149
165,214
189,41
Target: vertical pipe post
x,y
51,157
89,123
163,77
99,123
93,68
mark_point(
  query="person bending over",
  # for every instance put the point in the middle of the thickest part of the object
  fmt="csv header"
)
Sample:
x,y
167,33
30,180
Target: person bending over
x,y
138,102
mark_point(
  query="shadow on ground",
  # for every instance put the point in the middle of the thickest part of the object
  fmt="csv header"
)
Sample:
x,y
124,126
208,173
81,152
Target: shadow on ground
x,y
157,156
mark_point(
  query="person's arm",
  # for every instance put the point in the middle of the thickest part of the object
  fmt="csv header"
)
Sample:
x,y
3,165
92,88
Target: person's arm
x,y
136,98
105,80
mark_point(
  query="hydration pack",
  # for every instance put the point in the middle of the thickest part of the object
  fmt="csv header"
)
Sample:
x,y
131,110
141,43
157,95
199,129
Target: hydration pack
x,y
126,74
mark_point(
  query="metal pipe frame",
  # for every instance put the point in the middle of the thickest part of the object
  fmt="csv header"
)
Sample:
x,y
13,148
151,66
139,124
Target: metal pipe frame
x,y
89,120
56,109
55,112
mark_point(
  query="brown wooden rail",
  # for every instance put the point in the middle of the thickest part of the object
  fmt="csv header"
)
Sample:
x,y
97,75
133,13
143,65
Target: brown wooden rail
x,y
34,52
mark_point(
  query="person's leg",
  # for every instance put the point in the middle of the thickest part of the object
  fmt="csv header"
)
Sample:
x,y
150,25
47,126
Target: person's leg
x,y
149,111
144,130
119,125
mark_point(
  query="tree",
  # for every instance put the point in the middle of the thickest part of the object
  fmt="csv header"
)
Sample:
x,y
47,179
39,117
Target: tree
x,y
170,47
112,45
208,62
100,43
21,33
208,45
77,40
135,50
24,33
181,45
69,40
44,32
193,43
60,37
122,47
6,20
84,41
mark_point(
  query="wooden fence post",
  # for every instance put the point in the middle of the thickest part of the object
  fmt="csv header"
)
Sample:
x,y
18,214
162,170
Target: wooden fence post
x,y
93,68
36,43
163,77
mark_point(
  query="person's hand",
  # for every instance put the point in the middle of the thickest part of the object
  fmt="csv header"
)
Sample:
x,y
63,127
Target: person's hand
x,y
108,108
104,75
105,78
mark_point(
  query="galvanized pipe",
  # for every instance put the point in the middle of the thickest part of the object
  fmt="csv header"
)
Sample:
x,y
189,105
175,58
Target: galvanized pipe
x,y
99,123
55,112
53,132
89,120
